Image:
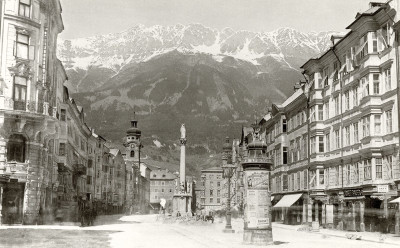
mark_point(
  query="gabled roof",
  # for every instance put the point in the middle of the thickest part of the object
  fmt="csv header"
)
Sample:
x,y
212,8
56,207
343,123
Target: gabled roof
x,y
114,151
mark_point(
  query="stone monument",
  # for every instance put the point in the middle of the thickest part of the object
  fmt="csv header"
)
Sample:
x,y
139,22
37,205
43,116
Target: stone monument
x,y
183,195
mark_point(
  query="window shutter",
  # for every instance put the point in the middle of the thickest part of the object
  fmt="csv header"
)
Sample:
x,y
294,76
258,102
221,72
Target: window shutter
x,y
31,52
15,48
35,11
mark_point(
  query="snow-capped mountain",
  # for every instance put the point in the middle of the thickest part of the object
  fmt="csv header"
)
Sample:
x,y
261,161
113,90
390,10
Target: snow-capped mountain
x,y
140,43
211,79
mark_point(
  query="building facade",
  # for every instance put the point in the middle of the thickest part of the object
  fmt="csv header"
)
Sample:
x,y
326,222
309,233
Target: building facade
x,y
162,186
335,141
29,107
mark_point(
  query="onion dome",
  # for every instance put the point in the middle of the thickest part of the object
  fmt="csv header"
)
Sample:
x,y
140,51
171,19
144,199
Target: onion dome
x,y
133,130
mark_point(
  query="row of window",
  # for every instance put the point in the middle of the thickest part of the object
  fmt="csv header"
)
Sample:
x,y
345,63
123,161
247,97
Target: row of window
x,y
162,190
371,42
351,133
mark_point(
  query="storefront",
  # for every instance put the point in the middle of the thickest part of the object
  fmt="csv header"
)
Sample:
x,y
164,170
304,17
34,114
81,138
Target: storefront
x,y
13,202
291,207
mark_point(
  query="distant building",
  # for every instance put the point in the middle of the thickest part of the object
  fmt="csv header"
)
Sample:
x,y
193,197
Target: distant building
x,y
212,182
162,186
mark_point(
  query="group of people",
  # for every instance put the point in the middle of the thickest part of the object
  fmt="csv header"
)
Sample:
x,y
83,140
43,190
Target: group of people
x,y
87,213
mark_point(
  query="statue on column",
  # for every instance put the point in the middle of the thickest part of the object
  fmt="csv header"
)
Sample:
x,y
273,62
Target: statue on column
x,y
183,131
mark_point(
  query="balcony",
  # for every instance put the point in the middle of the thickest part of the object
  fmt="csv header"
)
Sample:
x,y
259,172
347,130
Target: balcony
x,y
20,105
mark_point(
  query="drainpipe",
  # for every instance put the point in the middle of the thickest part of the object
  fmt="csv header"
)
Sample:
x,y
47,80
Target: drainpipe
x,y
308,150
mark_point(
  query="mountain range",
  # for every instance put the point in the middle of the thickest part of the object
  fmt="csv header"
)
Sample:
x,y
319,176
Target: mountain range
x,y
212,80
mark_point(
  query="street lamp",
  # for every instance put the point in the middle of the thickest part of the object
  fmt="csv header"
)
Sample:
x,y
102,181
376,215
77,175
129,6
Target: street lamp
x,y
227,172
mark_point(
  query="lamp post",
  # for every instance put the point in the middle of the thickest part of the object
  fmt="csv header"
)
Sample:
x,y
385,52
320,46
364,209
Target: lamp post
x,y
227,172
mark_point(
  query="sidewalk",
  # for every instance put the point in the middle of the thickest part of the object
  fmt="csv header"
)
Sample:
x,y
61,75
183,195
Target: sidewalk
x,y
366,236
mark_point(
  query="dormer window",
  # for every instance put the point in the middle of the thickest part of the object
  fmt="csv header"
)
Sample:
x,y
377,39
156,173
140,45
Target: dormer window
x,y
24,8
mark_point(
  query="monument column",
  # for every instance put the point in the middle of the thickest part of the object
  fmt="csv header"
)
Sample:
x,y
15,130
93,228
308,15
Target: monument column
x,y
182,197
182,172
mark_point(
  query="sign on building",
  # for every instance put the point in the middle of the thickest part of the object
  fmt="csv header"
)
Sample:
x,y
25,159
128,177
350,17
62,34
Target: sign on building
x,y
383,188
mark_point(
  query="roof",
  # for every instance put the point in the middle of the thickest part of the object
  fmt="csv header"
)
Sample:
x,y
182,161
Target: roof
x,y
370,12
162,174
114,151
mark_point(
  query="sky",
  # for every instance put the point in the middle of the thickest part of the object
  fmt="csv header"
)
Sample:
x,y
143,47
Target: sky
x,y
84,18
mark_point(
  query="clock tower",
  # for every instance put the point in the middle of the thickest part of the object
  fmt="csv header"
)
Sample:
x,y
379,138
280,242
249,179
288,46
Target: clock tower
x,y
133,143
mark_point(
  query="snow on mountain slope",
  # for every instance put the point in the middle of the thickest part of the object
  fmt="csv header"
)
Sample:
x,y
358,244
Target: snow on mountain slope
x,y
141,43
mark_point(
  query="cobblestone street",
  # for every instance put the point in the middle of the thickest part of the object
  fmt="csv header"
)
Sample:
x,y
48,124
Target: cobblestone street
x,y
146,231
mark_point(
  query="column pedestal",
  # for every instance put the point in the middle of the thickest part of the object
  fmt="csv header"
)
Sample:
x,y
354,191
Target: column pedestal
x,y
340,224
304,217
362,224
353,217
315,224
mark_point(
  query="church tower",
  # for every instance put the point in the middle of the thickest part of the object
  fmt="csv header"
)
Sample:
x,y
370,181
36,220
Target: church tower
x,y
133,143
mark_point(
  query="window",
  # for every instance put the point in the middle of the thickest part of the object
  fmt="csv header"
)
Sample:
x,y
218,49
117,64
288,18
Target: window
x,y
389,162
347,135
365,86
337,139
88,179
16,148
320,112
285,182
378,167
385,33
355,96
375,81
20,85
327,110
364,46
63,114
346,100
387,78
320,144
321,177
389,126
355,131
218,193
355,173
132,154
377,121
211,193
337,106
22,47
365,126
218,184
336,70
284,125
367,169
337,175
312,143
61,150
327,142
374,42
285,155
24,8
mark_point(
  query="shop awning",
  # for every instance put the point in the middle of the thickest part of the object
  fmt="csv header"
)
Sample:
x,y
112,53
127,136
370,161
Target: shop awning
x,y
287,201
397,200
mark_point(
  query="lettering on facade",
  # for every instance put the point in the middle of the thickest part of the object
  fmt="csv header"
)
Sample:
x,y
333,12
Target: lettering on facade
x,y
353,192
383,188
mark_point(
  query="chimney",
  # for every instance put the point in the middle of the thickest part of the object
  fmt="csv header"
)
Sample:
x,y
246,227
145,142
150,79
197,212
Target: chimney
x,y
375,4
335,39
